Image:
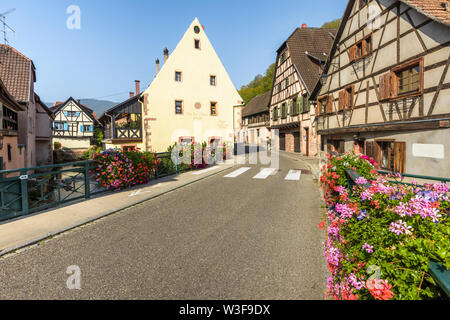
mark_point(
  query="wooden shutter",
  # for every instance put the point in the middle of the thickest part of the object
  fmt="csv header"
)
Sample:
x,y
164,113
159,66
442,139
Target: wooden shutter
x,y
372,150
330,104
399,156
308,104
291,107
341,99
352,53
318,107
300,104
393,85
385,86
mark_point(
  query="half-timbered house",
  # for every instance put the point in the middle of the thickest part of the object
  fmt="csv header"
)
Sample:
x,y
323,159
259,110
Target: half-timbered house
x,y
73,125
299,64
12,155
386,87
256,120
18,74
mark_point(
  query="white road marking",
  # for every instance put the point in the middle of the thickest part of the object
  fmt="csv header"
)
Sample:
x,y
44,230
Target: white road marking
x,y
205,170
264,173
293,175
237,173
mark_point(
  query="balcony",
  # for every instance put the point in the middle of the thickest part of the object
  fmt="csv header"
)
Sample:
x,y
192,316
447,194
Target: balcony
x,y
124,121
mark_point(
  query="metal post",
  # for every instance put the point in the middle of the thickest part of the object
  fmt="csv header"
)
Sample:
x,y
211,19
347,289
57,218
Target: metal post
x,y
87,184
24,190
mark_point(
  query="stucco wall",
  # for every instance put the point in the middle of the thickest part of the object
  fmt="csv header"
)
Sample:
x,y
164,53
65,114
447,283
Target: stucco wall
x,y
164,127
73,143
17,154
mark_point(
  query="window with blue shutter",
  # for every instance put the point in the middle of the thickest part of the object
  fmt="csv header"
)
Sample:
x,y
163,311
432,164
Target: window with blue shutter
x,y
91,128
66,127
82,128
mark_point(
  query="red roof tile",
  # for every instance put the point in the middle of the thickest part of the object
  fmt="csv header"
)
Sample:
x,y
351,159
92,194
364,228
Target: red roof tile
x,y
16,72
434,9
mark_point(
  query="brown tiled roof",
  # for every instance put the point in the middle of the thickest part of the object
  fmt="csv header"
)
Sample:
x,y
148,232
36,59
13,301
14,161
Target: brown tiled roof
x,y
257,105
312,41
16,72
7,98
433,9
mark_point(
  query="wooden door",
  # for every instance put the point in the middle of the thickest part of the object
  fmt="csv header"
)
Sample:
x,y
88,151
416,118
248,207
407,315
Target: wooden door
x,y
307,142
283,141
297,141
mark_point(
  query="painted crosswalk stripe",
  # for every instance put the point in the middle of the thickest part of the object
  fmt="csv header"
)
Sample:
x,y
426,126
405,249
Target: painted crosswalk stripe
x,y
237,173
293,175
264,173
205,170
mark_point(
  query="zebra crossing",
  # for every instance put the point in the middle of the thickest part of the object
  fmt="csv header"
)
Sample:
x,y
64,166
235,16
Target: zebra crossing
x,y
264,173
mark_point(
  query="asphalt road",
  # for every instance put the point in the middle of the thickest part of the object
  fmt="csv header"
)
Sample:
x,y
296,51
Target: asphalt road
x,y
219,238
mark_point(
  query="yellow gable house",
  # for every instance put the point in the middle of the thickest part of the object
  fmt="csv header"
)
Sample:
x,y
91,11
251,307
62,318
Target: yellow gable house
x,y
192,98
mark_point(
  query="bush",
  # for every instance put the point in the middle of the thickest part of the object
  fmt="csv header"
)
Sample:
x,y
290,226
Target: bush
x,y
57,145
382,238
117,170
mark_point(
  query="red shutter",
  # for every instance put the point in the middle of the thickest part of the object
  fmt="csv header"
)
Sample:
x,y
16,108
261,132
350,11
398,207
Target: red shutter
x,y
372,150
393,85
352,53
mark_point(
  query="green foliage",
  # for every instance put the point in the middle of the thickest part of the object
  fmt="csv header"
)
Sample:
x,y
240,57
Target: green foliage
x,y
332,24
57,145
98,136
89,154
259,85
361,216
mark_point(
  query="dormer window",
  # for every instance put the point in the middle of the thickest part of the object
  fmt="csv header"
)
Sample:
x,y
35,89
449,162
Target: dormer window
x,y
197,44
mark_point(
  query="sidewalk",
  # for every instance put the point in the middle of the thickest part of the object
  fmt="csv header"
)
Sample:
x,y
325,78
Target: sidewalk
x,y
27,230
312,162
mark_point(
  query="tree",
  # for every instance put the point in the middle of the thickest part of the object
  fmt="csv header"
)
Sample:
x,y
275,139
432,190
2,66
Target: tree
x,y
259,85
332,24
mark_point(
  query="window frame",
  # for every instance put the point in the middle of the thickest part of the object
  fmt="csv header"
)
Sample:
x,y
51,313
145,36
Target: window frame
x,y
181,76
211,77
320,104
211,109
352,51
407,66
182,107
199,44
55,123
283,110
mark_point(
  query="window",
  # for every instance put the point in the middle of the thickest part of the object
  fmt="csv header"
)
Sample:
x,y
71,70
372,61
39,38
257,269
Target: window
x,y
60,126
275,113
346,98
408,79
403,81
212,80
84,128
361,49
294,106
324,104
178,76
388,154
178,107
214,108
186,140
287,82
197,29
283,111
279,87
197,44
72,114
335,146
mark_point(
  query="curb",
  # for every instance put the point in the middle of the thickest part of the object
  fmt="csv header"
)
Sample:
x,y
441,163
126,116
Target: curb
x,y
103,215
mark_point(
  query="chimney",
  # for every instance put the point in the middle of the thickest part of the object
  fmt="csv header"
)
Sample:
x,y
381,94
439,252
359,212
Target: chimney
x,y
157,66
304,26
203,27
138,86
79,101
131,94
166,55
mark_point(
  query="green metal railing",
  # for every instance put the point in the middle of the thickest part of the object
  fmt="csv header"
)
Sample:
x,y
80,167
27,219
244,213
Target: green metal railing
x,y
28,190
416,176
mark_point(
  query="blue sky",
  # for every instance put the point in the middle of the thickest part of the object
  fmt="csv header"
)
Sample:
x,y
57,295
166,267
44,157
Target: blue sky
x,y
119,40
